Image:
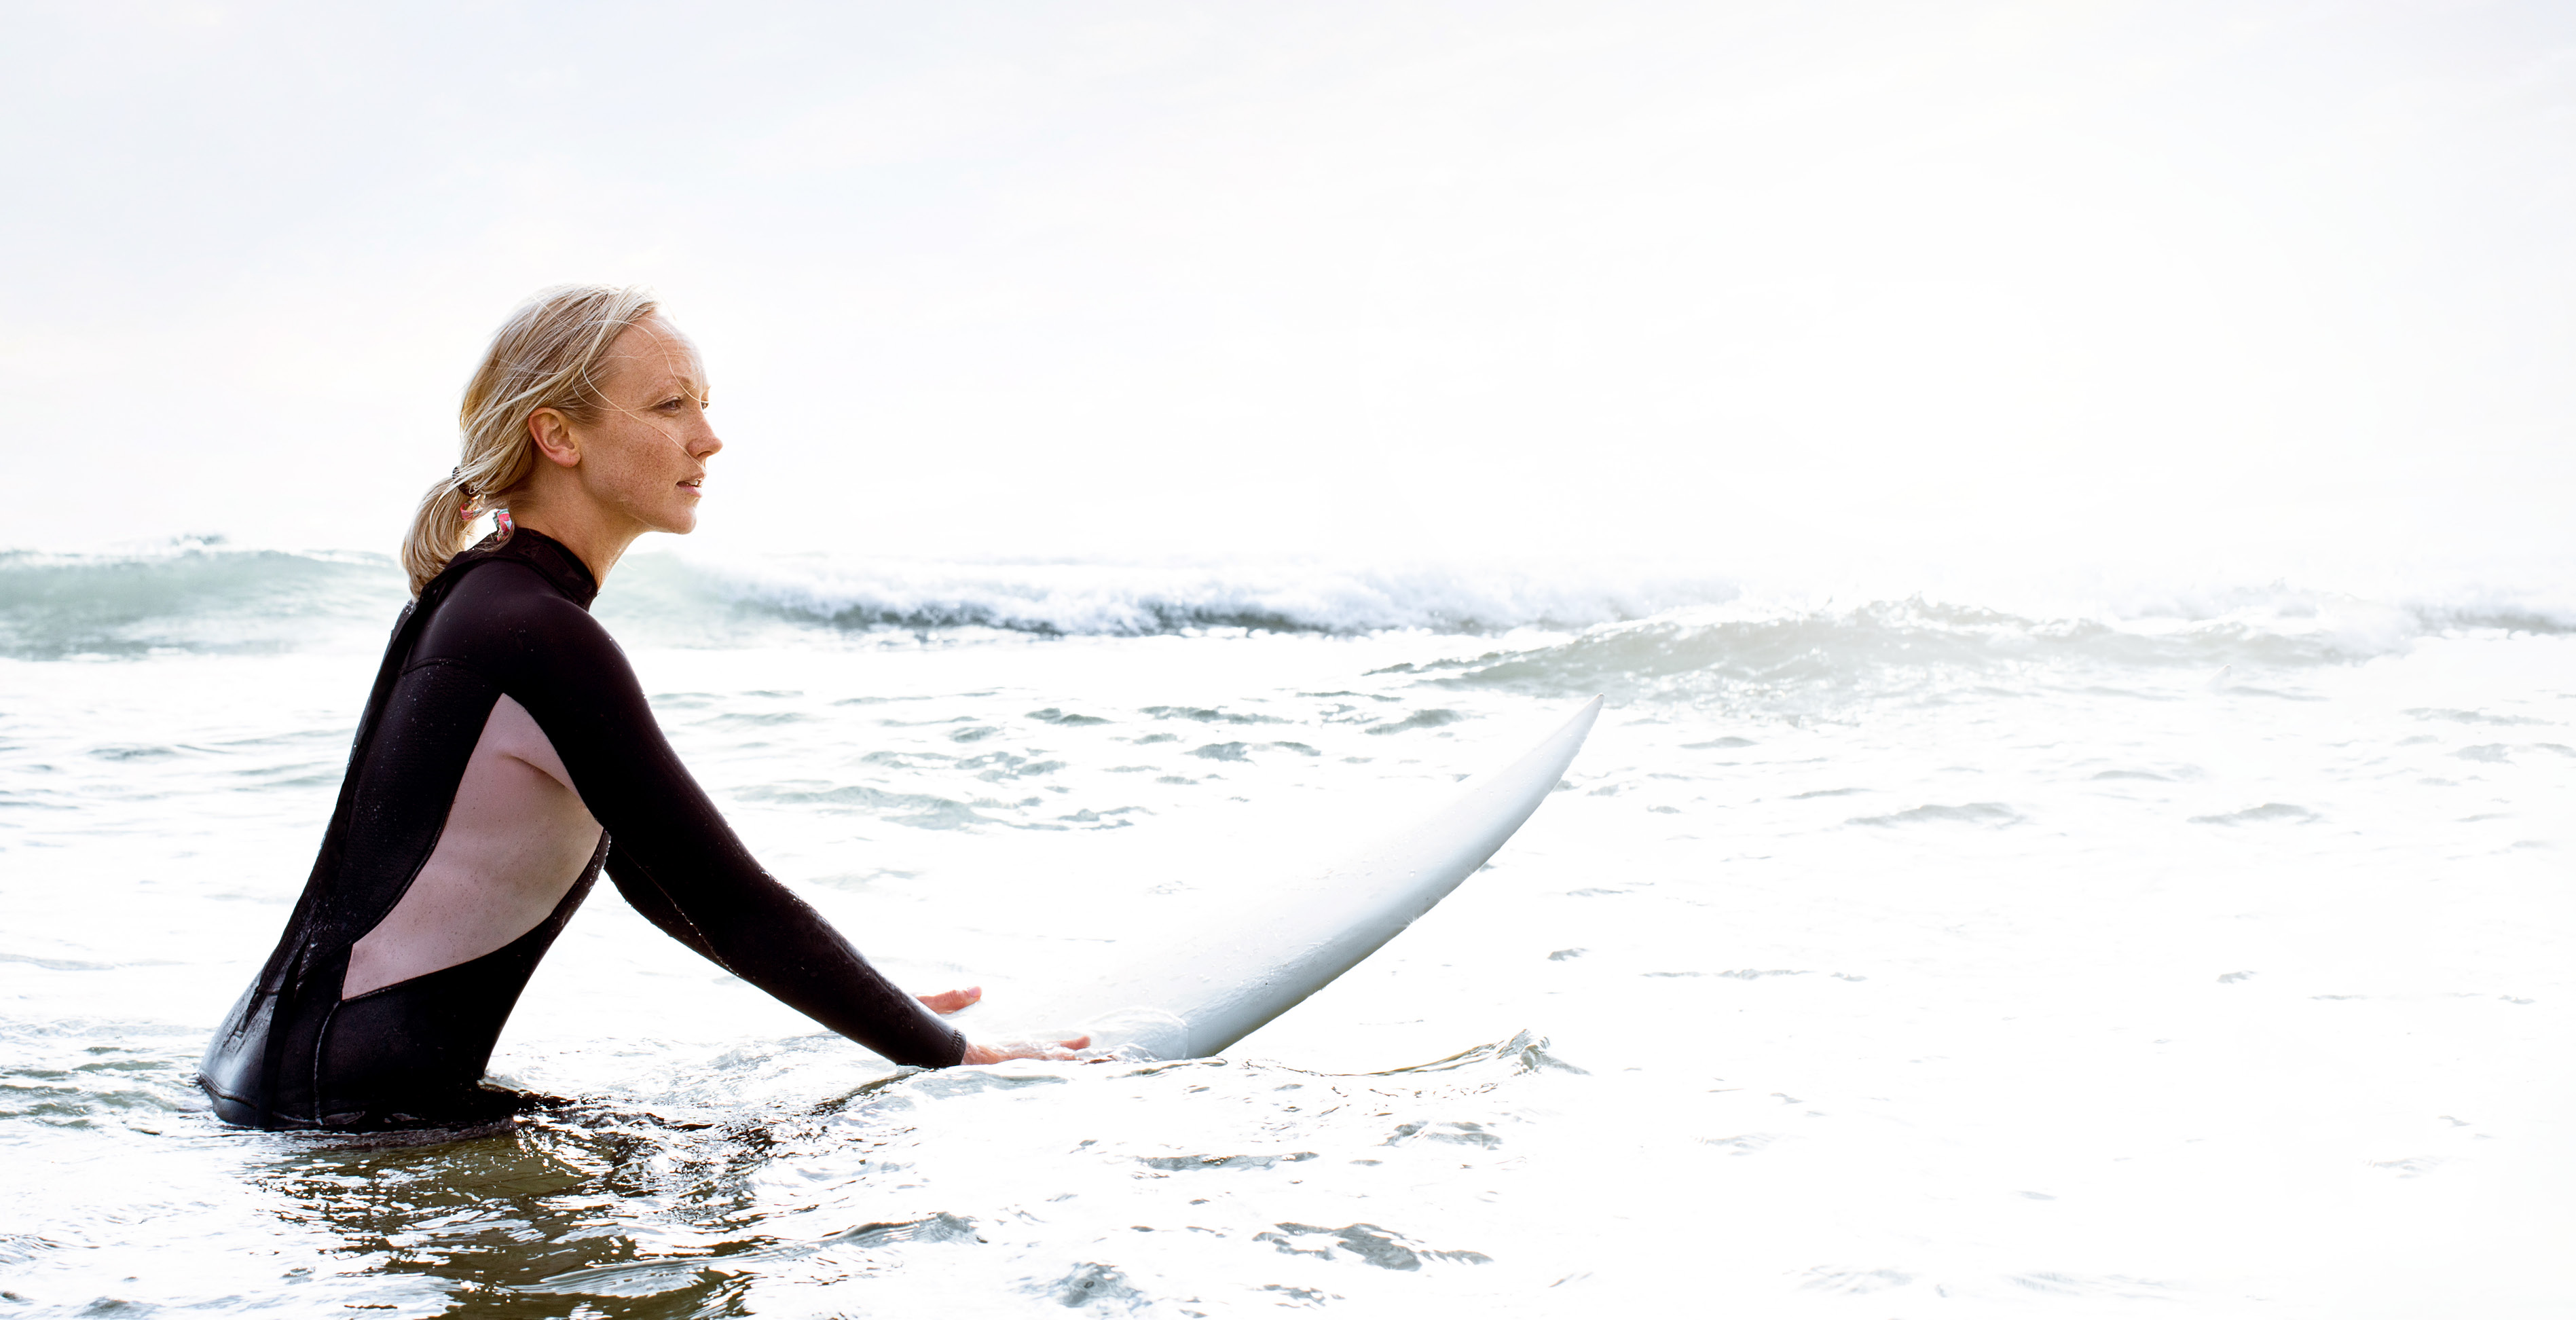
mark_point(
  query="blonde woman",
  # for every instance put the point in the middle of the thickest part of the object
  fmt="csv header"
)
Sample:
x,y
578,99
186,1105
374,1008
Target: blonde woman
x,y
507,756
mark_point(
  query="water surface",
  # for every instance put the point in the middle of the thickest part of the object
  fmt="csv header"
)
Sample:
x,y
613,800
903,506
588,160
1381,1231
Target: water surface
x,y
1877,959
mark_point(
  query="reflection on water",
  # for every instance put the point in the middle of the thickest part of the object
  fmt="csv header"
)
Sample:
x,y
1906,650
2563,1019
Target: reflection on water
x,y
593,1211
482,1214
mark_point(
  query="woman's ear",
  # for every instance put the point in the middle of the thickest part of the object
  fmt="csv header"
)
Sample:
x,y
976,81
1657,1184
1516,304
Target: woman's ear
x,y
552,433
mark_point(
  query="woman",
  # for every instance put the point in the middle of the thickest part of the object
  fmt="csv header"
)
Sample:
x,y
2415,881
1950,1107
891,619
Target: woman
x,y
507,756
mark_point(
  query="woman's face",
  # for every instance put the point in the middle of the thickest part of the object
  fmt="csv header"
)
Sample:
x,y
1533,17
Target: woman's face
x,y
644,458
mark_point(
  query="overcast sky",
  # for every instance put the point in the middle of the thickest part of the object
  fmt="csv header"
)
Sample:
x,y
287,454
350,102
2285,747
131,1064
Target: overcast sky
x,y
1707,279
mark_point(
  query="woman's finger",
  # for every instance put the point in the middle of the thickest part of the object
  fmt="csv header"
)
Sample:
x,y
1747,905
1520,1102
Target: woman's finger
x,y
949,1001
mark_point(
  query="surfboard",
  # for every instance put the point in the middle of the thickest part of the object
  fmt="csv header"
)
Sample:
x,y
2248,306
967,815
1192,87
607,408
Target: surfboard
x,y
1262,960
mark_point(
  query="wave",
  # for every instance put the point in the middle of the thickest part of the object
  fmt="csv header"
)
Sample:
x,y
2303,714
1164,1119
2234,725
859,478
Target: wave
x,y
673,595
1563,630
1885,647
202,596
190,596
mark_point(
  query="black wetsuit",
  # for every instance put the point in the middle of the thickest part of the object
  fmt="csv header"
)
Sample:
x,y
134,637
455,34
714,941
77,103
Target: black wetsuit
x,y
512,617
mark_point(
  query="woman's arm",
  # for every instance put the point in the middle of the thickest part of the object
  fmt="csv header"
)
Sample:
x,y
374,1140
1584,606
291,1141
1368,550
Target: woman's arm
x,y
756,929
670,851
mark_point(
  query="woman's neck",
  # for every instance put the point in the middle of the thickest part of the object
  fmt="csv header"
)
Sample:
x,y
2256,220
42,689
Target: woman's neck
x,y
597,541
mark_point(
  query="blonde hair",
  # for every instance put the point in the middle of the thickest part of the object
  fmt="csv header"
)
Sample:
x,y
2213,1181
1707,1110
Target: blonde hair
x,y
545,356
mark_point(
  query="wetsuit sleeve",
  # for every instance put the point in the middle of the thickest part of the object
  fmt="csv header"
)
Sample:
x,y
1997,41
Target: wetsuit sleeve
x,y
670,851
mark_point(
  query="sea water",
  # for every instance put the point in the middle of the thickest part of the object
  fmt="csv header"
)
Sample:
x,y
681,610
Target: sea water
x,y
2179,952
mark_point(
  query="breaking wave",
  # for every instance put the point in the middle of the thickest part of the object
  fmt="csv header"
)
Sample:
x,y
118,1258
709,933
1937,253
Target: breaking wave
x,y
1619,629
192,596
1890,646
673,594
203,596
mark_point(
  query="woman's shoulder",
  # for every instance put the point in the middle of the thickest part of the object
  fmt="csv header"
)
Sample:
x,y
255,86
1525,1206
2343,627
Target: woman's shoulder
x,y
505,584
503,599
535,554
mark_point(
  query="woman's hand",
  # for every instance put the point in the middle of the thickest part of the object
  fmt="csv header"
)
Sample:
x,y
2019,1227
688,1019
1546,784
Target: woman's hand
x,y
949,1001
1025,1049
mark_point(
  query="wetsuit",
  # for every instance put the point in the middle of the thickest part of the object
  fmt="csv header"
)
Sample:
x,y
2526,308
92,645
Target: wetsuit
x,y
511,617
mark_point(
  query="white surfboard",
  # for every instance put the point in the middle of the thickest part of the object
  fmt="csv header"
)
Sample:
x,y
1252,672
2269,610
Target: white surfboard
x,y
1261,962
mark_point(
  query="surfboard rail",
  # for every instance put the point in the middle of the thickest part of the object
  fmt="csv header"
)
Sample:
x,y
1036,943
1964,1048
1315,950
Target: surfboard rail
x,y
1302,935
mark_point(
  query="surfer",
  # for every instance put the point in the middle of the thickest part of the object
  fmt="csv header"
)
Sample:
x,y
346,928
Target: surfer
x,y
507,756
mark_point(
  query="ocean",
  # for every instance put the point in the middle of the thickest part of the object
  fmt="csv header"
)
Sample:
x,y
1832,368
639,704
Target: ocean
x,y
2143,948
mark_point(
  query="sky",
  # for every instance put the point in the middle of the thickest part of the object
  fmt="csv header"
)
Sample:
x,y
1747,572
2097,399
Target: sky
x,y
2288,288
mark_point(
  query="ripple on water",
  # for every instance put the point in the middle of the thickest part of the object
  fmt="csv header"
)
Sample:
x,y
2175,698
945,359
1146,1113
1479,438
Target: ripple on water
x,y
921,810
2275,813
1366,1242
1087,1182
1967,813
